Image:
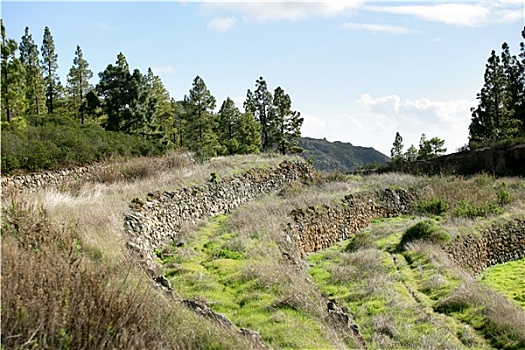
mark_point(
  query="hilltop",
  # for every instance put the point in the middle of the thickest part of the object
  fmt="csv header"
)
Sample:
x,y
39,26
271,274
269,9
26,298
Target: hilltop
x,y
341,156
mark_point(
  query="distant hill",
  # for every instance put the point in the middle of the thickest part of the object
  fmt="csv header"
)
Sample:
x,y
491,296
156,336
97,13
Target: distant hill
x,y
339,155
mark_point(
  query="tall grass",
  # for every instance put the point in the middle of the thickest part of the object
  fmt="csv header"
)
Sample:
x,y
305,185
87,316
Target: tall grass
x,y
54,296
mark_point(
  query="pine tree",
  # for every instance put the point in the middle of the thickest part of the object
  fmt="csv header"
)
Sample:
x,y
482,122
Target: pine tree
x,y
488,118
114,91
512,110
430,148
520,105
228,123
141,116
35,90
411,154
259,104
199,107
165,115
78,82
180,123
396,153
249,134
285,123
50,68
13,88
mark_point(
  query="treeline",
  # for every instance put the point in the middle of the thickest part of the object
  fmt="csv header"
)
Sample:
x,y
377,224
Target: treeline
x,y
500,114
138,104
427,149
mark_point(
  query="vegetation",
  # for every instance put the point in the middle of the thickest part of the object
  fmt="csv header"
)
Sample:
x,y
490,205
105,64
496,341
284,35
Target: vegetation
x,y
138,104
507,279
68,243
53,142
339,156
500,114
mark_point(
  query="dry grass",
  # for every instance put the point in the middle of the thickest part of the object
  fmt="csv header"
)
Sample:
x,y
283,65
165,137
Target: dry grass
x,y
67,281
55,296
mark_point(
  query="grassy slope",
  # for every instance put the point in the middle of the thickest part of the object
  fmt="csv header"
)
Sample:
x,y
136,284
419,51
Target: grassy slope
x,y
412,298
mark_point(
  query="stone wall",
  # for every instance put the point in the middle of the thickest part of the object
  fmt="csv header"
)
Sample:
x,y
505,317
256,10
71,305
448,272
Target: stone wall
x,y
31,182
160,216
494,245
314,229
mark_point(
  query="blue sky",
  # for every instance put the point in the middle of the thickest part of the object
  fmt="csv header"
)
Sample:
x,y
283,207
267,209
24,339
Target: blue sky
x,y
358,71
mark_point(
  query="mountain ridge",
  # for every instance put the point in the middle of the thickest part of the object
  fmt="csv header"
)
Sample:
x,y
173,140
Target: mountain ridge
x,y
337,155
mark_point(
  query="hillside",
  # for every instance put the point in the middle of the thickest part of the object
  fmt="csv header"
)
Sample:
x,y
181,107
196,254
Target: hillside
x,y
338,155
258,252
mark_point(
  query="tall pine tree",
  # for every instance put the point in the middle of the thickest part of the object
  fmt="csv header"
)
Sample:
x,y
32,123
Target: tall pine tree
x,y
199,105
285,123
164,115
486,124
228,120
396,153
114,91
78,85
50,68
259,103
13,88
35,90
501,110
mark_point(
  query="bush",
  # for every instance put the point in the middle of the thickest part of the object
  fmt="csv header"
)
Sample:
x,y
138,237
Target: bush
x,y
435,206
503,196
52,142
465,209
361,240
424,230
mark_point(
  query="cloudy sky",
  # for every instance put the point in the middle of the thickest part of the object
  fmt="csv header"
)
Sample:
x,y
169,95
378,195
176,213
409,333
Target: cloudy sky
x,y
358,71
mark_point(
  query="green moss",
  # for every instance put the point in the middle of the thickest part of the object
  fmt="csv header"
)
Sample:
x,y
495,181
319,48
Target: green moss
x,y
508,279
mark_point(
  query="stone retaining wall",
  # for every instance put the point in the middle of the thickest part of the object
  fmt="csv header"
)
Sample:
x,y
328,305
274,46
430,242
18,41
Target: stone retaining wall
x,y
493,246
160,216
31,182
314,229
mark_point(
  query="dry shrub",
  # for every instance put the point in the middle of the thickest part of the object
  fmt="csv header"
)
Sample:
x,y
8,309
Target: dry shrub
x,y
388,180
504,322
54,296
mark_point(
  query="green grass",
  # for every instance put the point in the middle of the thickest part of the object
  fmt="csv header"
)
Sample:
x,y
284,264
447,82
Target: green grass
x,y
374,288
508,279
232,285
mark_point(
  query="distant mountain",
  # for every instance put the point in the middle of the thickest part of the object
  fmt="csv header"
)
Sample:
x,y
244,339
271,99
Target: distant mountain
x,y
339,155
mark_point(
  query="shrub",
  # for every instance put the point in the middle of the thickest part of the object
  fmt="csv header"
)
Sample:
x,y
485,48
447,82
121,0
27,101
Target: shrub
x,y
424,230
503,196
465,209
434,206
56,141
361,240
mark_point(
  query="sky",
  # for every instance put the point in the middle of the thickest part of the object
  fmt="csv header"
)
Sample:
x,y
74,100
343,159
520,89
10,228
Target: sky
x,y
358,71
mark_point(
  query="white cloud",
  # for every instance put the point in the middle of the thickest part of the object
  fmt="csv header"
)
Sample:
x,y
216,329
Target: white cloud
x,y
374,28
222,24
163,70
461,14
261,12
387,115
312,125
239,102
105,26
